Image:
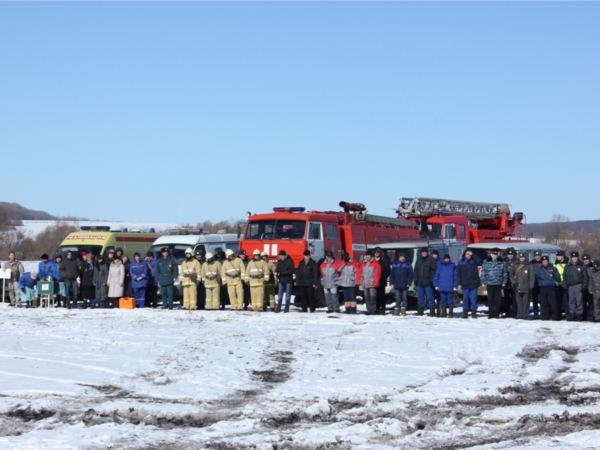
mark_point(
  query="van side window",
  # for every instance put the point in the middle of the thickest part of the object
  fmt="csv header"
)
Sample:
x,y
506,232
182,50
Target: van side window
x,y
233,247
332,232
450,232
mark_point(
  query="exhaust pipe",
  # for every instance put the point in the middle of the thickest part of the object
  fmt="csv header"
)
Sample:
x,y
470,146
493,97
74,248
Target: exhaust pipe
x,y
352,207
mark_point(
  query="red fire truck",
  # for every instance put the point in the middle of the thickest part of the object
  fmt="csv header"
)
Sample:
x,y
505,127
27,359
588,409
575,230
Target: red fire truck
x,y
295,230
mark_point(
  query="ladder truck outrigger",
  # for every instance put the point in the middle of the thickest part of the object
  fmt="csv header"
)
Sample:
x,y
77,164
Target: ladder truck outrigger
x,y
463,221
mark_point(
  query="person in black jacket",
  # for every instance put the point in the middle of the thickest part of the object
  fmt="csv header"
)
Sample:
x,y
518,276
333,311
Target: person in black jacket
x,y
575,279
386,269
307,277
424,272
69,271
86,278
467,276
285,273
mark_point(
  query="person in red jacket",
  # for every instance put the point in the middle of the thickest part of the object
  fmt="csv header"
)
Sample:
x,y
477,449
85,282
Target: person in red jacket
x,y
369,280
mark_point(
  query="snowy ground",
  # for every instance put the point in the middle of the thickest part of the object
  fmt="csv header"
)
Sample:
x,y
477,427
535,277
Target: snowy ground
x,y
152,379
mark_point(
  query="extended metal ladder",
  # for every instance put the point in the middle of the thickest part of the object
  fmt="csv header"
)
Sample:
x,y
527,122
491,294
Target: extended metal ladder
x,y
427,207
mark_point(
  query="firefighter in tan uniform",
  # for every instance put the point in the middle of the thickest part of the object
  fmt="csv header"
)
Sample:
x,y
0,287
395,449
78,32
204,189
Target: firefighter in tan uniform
x,y
269,285
257,274
232,274
211,275
189,274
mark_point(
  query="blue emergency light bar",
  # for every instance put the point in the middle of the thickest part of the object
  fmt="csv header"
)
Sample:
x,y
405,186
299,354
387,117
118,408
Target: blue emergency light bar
x,y
94,228
290,209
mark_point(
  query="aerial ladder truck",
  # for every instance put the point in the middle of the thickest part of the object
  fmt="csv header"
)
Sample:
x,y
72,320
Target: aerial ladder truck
x,y
463,221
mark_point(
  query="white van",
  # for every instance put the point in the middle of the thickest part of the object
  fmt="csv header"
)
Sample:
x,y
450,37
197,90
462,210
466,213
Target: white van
x,y
179,240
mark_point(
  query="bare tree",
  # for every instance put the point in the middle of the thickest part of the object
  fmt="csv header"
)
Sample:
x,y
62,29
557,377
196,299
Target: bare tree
x,y
28,248
230,226
558,231
589,243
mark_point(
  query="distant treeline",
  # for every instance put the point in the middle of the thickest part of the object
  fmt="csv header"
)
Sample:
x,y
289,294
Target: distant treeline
x,y
30,248
587,226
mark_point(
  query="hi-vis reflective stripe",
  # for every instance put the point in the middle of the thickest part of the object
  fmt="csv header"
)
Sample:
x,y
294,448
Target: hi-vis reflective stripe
x,y
266,248
274,247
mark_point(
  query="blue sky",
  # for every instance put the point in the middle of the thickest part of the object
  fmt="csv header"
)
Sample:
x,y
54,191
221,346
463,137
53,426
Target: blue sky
x,y
192,111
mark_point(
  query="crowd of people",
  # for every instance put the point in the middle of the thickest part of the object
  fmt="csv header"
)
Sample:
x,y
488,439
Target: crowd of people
x,y
211,281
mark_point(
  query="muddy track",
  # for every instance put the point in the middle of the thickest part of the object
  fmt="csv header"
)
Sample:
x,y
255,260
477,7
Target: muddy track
x,y
414,424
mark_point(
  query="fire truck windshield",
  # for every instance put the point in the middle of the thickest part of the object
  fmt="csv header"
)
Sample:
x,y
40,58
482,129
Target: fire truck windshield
x,y
275,229
431,230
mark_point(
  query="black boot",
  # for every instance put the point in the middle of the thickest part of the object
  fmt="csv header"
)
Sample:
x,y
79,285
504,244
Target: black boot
x,y
444,313
432,312
451,313
474,314
465,314
420,311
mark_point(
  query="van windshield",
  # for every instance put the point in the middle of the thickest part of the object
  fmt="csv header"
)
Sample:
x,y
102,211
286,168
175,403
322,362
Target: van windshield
x,y
276,229
177,251
77,249
481,253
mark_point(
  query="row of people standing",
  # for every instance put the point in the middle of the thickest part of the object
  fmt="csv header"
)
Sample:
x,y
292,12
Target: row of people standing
x,y
511,283
109,278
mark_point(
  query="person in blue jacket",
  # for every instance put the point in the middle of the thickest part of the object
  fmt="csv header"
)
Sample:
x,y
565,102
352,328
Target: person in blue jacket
x,y
45,268
27,286
445,281
139,279
167,271
152,285
548,278
401,277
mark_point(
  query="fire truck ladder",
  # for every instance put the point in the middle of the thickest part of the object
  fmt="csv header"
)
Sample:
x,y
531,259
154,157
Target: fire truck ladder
x,y
427,207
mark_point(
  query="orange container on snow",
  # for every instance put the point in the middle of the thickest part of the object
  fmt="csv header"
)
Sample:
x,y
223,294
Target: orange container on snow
x,y
127,303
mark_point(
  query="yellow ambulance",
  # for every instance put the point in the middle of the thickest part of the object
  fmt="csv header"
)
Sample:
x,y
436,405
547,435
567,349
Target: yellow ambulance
x,y
98,240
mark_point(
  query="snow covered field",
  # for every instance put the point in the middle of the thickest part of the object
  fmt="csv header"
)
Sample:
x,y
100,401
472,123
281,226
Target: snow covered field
x,y
153,379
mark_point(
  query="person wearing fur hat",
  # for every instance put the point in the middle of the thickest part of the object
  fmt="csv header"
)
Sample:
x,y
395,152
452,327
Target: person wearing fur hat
x,y
307,279
494,277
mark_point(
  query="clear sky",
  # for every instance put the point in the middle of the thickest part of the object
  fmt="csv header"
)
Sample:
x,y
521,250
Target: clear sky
x,y
192,111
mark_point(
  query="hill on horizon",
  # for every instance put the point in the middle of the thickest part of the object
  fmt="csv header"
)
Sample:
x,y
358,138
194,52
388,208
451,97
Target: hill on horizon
x,y
16,212
588,226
